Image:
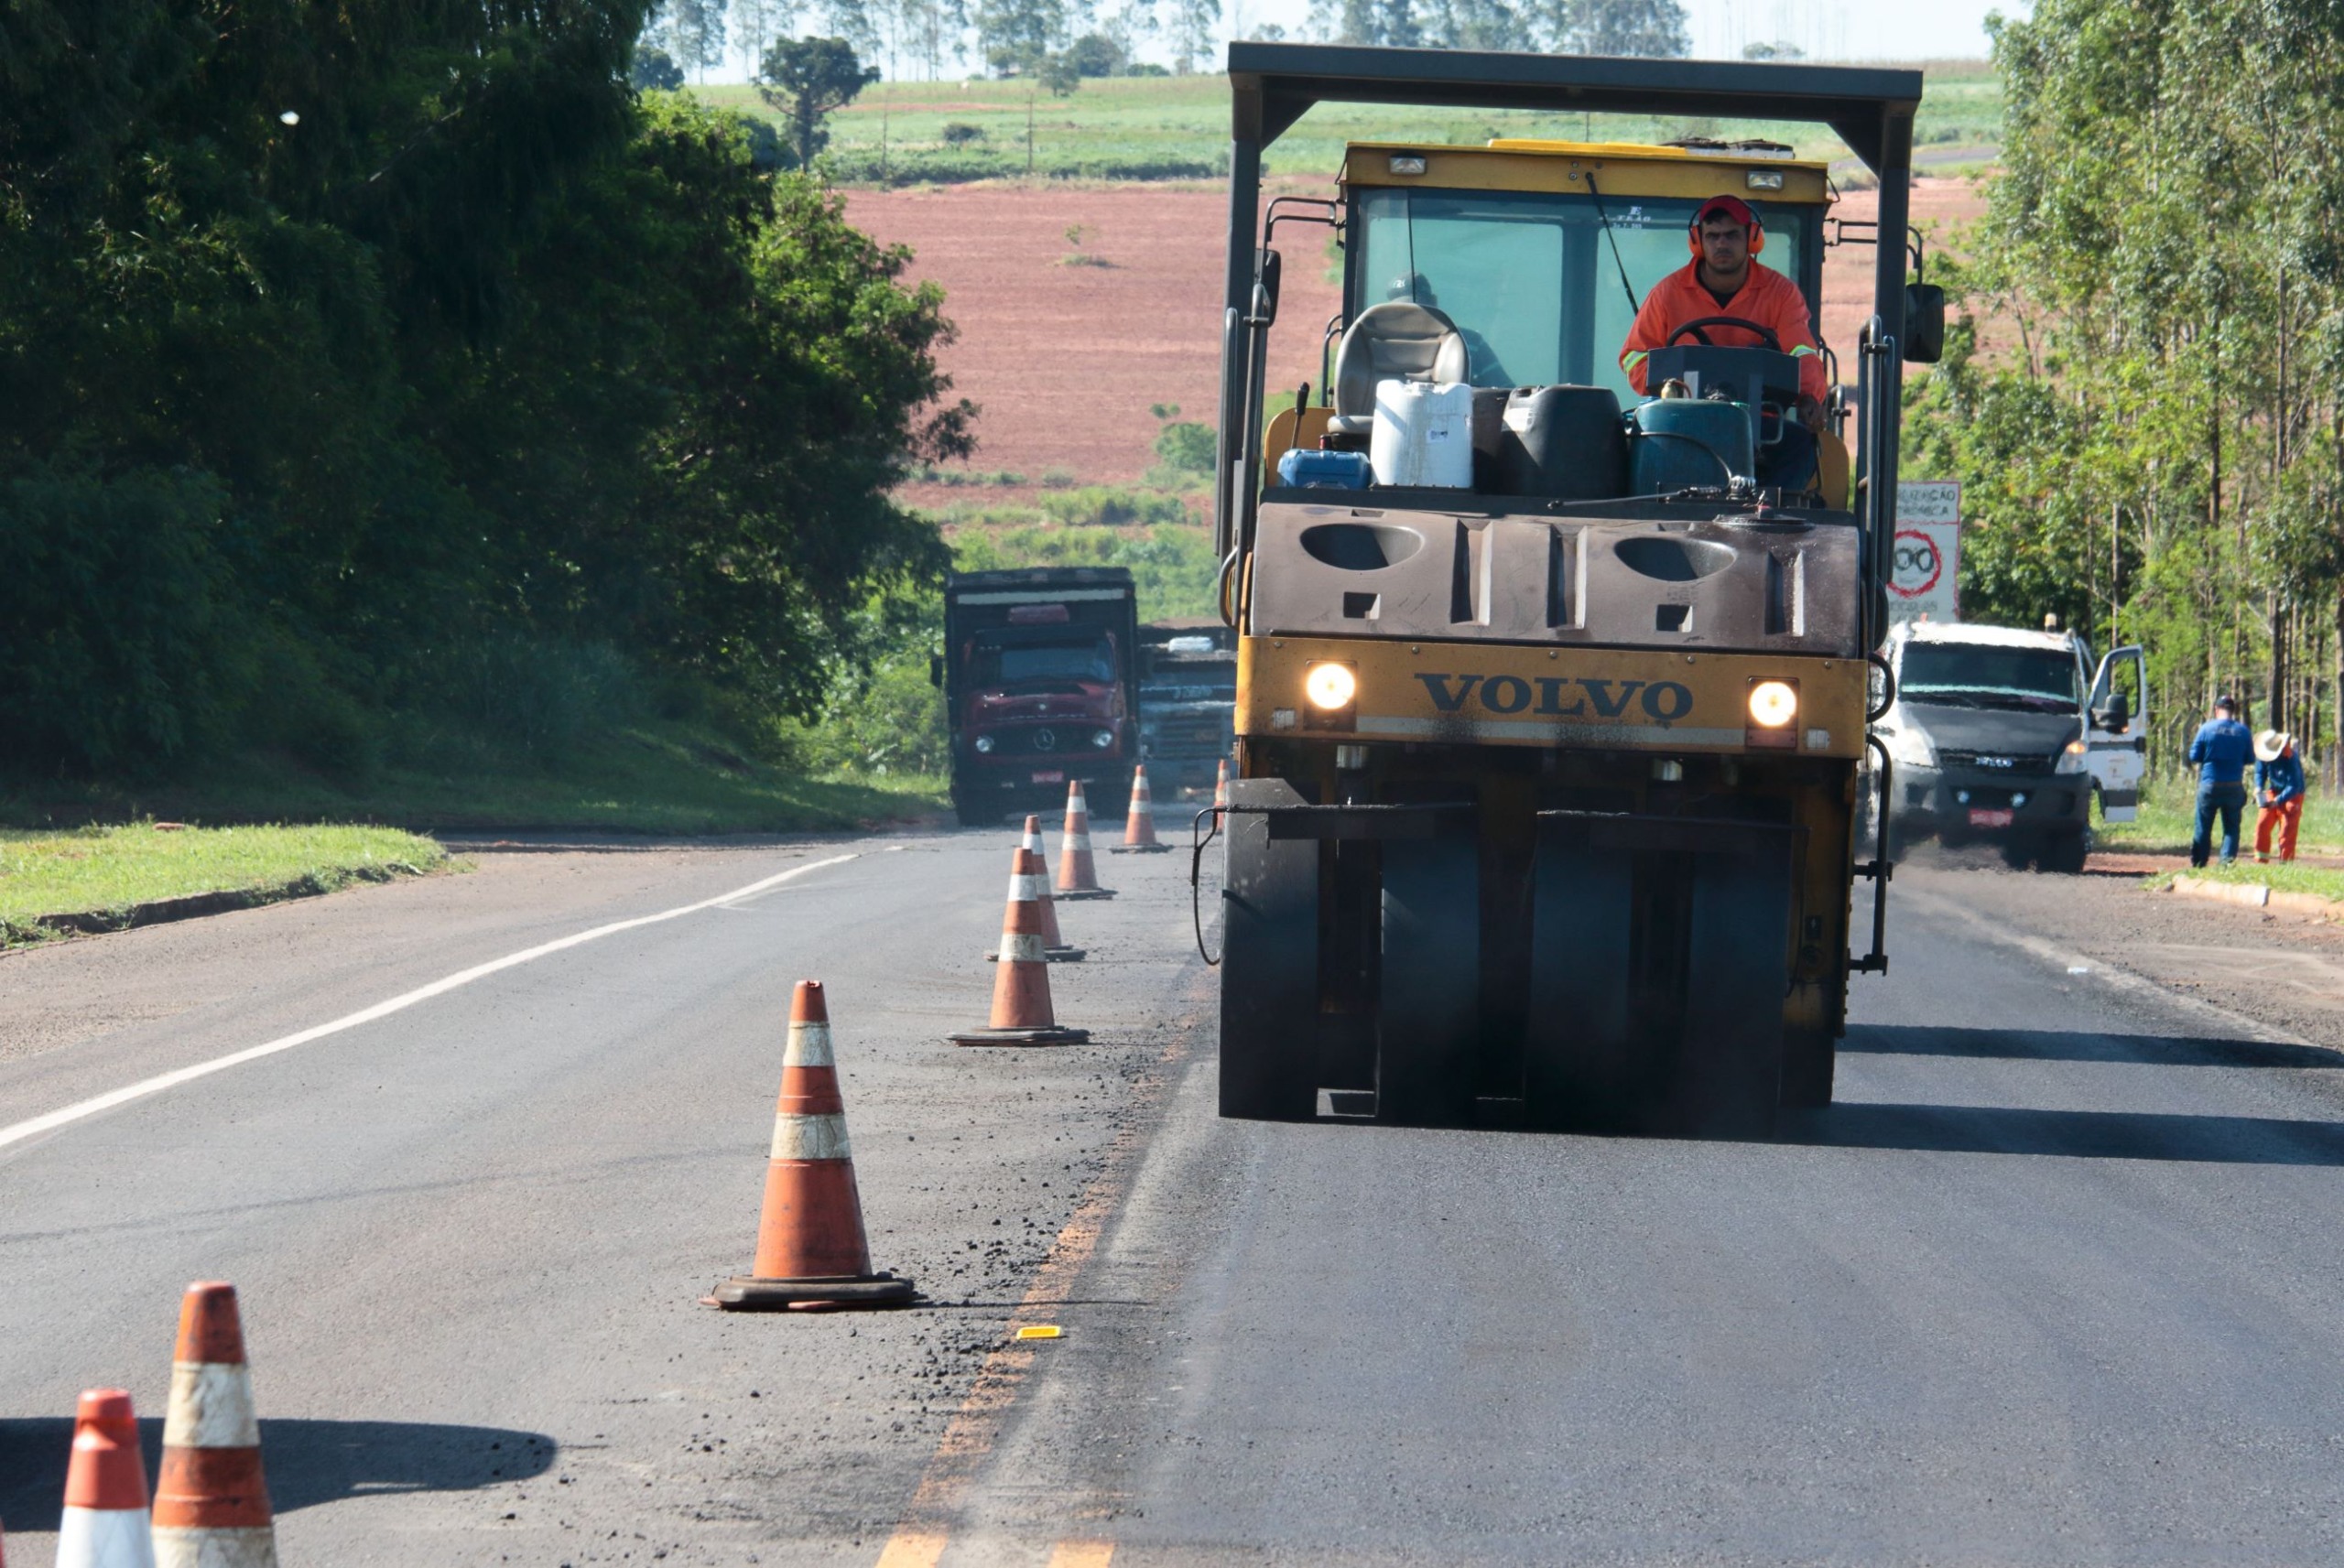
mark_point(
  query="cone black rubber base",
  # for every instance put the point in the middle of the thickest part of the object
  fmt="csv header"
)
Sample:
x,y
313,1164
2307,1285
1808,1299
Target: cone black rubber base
x,y
1138,849
1052,1035
1051,955
746,1292
1059,896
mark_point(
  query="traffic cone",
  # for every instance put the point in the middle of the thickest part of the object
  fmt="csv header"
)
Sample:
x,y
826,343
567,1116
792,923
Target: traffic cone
x,y
1220,795
210,1502
1054,946
104,1522
1078,871
811,1251
1021,980
1139,827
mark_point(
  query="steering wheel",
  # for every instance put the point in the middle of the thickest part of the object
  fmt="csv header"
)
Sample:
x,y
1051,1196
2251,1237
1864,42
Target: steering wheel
x,y
1694,327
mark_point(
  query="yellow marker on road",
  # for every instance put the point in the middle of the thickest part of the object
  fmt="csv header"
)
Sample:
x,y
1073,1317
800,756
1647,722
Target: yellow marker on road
x,y
1041,1331
1082,1555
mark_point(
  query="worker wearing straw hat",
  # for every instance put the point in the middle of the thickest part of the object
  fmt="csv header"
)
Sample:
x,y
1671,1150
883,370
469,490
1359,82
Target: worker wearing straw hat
x,y
2279,788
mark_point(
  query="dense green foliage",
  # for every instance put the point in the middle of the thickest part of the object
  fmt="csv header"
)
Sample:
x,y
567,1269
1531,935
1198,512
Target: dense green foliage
x,y
344,347
2160,455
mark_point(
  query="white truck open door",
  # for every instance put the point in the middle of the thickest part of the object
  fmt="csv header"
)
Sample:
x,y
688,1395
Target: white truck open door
x,y
2116,731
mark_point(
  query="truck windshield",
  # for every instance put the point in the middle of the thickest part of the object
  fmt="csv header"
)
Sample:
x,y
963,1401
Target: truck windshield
x,y
1528,276
1973,676
1013,664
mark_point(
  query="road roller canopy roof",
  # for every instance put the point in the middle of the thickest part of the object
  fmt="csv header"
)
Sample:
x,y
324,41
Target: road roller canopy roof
x,y
1273,85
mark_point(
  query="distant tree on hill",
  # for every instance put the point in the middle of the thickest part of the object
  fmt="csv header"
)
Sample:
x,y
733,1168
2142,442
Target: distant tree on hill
x,y
805,79
1652,27
1772,51
696,34
651,69
1017,36
1476,25
756,23
1195,33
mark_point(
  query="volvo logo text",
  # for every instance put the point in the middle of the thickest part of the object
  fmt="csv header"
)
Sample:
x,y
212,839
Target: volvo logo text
x,y
1663,702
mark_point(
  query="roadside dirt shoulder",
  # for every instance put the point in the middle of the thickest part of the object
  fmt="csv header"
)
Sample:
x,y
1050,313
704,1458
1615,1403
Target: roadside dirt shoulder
x,y
2279,969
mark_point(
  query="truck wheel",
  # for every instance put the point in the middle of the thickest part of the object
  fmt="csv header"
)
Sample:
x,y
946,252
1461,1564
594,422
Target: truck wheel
x,y
1580,1067
2066,853
1269,966
972,815
1429,1020
1728,1073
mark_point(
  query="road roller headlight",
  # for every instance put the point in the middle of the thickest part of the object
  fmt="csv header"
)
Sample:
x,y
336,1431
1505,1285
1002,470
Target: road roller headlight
x,y
984,744
1331,686
1773,704
2073,758
1102,739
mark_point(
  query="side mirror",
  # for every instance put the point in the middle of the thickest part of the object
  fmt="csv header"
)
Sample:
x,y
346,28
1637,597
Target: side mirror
x,y
1267,265
936,671
1924,323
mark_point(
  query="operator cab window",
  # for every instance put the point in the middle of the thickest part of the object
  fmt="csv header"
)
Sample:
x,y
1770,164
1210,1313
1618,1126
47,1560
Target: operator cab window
x,y
1528,276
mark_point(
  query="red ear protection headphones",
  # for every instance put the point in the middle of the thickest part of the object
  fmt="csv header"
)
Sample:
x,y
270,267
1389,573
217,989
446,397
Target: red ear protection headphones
x,y
1726,204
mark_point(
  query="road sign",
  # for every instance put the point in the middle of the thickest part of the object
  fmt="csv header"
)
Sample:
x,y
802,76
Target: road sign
x,y
1924,567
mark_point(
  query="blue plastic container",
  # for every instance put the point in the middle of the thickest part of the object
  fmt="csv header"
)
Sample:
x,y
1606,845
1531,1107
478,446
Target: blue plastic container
x,y
1303,467
1686,441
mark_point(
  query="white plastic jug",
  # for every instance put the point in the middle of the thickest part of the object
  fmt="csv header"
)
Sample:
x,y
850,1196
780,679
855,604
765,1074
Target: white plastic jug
x,y
1423,433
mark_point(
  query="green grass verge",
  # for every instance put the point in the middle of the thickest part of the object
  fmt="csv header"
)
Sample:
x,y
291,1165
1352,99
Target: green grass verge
x,y
2168,814
108,870
654,777
1177,127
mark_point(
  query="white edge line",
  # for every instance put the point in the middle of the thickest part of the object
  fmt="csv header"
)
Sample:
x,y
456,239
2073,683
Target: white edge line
x,y
171,1080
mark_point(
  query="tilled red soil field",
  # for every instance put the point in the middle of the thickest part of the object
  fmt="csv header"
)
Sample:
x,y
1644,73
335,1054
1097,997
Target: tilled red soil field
x,y
1064,360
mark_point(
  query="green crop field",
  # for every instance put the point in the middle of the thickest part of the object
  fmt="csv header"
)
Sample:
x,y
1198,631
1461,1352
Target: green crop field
x,y
1173,127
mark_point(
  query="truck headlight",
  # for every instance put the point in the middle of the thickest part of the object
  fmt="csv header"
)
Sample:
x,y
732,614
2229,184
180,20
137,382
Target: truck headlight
x,y
1909,747
1331,686
2074,757
1102,739
984,743
1772,703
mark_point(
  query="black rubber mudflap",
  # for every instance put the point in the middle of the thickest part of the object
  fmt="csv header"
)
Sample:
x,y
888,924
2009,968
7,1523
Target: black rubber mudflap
x,y
1429,1031
1730,1069
1581,1064
1269,970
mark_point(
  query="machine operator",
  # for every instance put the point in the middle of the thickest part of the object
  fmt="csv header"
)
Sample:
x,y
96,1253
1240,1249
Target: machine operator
x,y
1725,278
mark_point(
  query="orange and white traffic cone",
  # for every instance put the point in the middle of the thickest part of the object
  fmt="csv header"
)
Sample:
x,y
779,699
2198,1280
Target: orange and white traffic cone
x,y
210,1502
104,1522
1054,946
1077,869
811,1249
1021,979
1139,827
1221,796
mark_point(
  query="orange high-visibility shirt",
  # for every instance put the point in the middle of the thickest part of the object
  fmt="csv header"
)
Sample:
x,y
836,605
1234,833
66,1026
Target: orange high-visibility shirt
x,y
1766,297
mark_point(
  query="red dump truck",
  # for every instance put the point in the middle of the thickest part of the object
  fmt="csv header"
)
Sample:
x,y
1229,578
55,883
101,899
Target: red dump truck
x,y
1041,687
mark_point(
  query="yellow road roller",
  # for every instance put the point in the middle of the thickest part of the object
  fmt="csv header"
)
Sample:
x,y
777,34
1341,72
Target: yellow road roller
x,y
1553,707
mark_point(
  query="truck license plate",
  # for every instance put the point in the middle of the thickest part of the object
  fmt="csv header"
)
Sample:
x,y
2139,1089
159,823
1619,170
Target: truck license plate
x,y
1057,776
1980,817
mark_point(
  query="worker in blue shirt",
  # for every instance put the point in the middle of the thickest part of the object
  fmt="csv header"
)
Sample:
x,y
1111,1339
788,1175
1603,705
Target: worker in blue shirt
x,y
2279,787
2219,753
